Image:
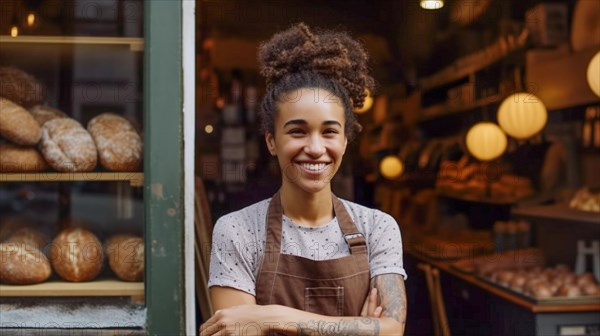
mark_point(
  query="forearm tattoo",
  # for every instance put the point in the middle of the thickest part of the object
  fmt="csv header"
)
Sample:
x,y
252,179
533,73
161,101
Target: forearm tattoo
x,y
356,327
392,296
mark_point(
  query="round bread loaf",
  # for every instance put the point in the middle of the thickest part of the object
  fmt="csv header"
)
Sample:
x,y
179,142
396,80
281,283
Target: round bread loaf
x,y
29,236
20,87
76,255
42,113
23,264
119,145
125,255
16,159
17,124
67,146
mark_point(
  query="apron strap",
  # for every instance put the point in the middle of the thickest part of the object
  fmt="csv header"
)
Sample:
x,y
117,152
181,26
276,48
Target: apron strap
x,y
355,239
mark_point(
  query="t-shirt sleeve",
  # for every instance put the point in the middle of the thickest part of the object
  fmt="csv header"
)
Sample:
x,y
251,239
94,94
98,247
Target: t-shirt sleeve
x,y
385,246
233,254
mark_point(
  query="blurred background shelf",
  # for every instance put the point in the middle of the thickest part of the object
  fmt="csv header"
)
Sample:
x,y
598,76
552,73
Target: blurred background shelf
x,y
556,213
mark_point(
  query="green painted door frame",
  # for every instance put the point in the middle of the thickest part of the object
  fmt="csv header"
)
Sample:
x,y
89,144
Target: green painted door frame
x,y
163,167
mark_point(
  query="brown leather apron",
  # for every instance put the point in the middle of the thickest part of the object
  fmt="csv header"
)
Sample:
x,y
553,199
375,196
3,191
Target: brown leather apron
x,y
336,287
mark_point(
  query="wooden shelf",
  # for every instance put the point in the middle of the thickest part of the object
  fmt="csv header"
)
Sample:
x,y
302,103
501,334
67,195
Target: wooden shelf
x,y
134,43
556,213
135,179
448,109
103,287
473,199
465,66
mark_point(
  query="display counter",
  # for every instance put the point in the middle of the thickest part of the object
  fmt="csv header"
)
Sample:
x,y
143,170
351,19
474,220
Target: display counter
x,y
476,306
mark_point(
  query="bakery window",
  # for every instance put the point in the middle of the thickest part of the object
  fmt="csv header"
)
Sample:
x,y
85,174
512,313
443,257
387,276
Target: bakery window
x,y
71,164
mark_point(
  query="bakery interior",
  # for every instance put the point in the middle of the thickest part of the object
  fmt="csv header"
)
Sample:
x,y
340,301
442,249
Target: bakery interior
x,y
482,140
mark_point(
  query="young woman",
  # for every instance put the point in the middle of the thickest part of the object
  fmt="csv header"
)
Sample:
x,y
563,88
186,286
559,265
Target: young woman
x,y
305,262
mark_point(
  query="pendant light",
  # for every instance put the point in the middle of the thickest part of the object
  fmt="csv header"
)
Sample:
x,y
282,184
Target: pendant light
x,y
14,25
486,141
432,4
367,103
522,115
593,74
391,167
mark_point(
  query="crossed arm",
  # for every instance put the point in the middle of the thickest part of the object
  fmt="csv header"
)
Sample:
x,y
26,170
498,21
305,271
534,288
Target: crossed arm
x,y
384,313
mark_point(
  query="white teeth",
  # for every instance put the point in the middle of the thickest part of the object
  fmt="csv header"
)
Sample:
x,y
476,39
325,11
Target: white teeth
x,y
314,166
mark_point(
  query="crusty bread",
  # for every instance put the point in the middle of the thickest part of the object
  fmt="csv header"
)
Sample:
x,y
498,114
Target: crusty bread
x,y
20,87
125,255
119,145
29,236
76,255
17,124
42,113
16,159
67,146
23,264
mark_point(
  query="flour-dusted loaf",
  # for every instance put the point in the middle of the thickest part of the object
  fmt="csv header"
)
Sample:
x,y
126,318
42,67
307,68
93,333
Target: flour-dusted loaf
x,y
67,146
20,87
17,124
43,113
29,236
23,264
17,159
119,145
125,255
76,255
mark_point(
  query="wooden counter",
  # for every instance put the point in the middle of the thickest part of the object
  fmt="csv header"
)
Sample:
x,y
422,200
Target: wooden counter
x,y
495,290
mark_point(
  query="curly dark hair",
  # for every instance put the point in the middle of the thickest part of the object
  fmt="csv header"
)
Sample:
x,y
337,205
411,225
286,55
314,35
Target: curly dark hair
x,y
297,58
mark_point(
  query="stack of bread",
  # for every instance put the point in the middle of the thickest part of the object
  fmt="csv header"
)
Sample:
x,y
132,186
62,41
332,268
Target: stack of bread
x,y
75,254
39,137
481,181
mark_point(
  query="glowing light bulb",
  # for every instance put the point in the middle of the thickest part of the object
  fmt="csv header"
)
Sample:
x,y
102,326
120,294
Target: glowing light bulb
x,y
391,167
31,18
366,105
208,129
432,4
14,31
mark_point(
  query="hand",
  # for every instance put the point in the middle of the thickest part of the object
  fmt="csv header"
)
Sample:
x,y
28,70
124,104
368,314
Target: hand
x,y
238,320
370,307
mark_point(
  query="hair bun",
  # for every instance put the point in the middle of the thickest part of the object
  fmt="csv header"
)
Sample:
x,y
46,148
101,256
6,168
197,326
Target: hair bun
x,y
332,54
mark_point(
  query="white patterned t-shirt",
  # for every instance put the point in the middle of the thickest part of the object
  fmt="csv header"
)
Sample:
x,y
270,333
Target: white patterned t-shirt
x,y
239,240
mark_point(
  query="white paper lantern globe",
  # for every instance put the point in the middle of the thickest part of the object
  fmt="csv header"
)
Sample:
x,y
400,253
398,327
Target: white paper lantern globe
x,y
366,105
522,115
486,141
432,4
391,167
593,74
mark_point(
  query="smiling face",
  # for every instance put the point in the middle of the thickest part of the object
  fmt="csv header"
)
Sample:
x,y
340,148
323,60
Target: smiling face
x,y
309,139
